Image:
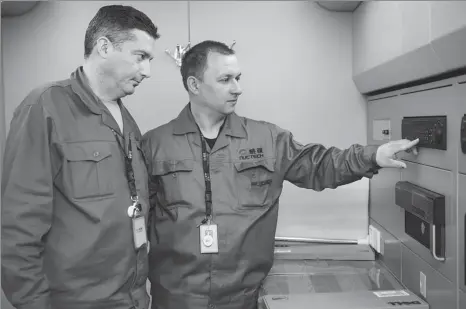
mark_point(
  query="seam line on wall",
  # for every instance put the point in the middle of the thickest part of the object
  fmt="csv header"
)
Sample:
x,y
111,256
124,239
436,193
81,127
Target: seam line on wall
x,y
189,21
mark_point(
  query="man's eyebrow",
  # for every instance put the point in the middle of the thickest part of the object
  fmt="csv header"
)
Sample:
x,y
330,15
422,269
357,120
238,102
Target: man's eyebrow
x,y
230,75
146,54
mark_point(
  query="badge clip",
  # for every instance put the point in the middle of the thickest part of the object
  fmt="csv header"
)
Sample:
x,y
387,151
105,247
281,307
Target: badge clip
x,y
135,209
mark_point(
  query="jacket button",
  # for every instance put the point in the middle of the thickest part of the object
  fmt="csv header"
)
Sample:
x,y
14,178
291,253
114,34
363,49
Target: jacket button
x,y
96,154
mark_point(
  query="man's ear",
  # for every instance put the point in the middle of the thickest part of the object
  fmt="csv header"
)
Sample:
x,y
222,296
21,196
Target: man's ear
x,y
193,84
104,47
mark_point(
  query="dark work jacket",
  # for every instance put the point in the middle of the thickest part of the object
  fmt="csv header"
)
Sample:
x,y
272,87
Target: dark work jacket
x,y
67,241
248,165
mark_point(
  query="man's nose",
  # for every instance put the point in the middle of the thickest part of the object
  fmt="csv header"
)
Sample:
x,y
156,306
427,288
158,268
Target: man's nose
x,y
145,69
237,89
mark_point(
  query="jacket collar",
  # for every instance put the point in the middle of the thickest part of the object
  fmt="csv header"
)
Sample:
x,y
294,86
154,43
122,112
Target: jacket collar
x,y
185,123
80,86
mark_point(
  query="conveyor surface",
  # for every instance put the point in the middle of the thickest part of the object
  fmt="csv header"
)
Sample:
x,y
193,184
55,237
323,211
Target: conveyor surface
x,y
295,282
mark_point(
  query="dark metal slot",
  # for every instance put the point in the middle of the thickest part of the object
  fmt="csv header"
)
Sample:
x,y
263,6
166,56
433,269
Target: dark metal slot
x,y
424,216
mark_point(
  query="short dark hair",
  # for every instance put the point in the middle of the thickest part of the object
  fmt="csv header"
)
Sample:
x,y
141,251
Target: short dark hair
x,y
115,23
194,62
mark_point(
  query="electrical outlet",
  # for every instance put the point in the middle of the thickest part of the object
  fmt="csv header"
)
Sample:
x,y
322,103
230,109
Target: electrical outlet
x,y
371,236
375,239
381,130
423,284
381,243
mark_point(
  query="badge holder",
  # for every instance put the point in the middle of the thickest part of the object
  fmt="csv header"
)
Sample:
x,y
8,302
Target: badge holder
x,y
138,224
208,237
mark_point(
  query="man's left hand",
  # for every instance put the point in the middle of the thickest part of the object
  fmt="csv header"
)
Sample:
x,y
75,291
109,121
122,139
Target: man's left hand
x,y
386,153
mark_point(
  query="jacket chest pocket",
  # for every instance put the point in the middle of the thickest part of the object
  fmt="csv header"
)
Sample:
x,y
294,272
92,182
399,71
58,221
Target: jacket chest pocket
x,y
89,170
253,182
171,181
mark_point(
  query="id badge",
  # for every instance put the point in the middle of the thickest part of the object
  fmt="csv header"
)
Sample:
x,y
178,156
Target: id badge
x,y
208,238
139,231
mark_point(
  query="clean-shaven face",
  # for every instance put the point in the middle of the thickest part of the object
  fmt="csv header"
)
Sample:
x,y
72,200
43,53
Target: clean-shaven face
x,y
129,65
219,88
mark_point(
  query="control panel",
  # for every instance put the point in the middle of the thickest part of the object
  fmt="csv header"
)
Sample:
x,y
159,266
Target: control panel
x,y
424,216
463,134
431,131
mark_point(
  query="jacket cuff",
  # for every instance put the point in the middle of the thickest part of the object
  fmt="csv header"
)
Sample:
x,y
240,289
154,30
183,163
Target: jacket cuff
x,y
371,155
375,166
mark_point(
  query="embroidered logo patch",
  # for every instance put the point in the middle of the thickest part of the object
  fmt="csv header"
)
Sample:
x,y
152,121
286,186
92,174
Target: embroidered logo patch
x,y
251,153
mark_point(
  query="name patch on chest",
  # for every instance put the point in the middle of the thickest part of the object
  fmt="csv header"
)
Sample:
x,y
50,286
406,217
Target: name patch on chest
x,y
251,153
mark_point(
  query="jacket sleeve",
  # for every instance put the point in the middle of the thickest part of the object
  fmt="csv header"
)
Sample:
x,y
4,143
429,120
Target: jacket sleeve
x,y
27,193
146,146
316,167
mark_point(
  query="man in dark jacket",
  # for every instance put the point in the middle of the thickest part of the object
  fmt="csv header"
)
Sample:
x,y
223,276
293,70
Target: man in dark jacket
x,y
74,184
216,179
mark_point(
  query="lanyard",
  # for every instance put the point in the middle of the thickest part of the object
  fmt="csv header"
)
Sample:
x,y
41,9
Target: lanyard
x,y
206,168
208,190
129,171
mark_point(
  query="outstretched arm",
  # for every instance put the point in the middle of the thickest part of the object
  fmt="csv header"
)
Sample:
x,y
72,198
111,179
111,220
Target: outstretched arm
x,y
316,167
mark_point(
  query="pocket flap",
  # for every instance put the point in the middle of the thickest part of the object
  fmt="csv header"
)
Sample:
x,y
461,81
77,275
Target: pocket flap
x,y
161,168
265,163
87,151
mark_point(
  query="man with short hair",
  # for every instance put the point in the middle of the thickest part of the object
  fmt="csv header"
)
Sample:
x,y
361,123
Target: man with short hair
x,y
216,179
74,184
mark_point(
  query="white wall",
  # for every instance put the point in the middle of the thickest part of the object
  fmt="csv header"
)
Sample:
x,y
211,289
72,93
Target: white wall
x,y
297,72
